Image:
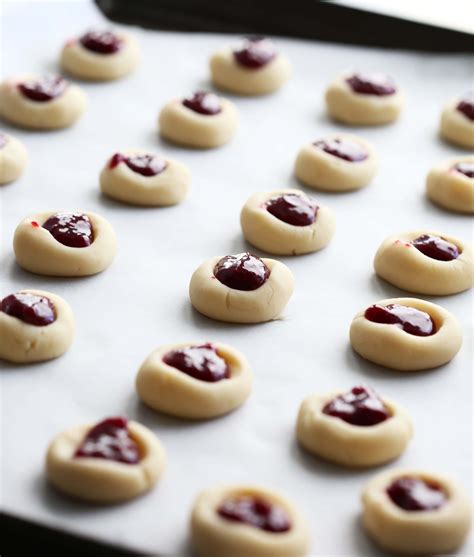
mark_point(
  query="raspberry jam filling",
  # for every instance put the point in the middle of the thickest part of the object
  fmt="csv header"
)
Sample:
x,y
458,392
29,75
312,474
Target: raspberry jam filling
x,y
343,148
378,84
3,140
29,308
293,209
70,229
101,42
466,168
243,271
361,406
204,103
411,320
44,88
255,52
110,440
146,165
255,512
201,362
466,105
415,494
436,247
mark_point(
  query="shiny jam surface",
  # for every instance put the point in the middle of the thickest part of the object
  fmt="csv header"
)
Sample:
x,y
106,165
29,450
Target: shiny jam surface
x,y
101,42
415,494
204,103
255,512
3,140
293,209
110,440
44,88
466,168
71,229
411,320
146,165
342,148
30,308
243,271
361,406
255,52
378,84
436,247
201,362
466,105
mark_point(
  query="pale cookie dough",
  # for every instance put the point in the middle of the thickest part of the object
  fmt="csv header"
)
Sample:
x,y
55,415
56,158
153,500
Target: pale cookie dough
x,y
167,389
168,187
13,158
400,263
60,112
456,127
426,532
451,189
321,170
99,480
213,535
267,232
37,251
22,342
392,347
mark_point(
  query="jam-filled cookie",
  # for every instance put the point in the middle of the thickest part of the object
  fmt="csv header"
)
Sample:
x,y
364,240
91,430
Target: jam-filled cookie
x,y
451,185
238,521
194,380
457,121
108,462
286,222
241,288
414,512
13,158
34,326
255,67
355,428
407,334
64,244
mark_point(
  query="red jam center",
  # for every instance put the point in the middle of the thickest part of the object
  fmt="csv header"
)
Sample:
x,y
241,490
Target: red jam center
x,y
293,209
43,89
110,439
255,52
415,494
101,42
3,140
242,271
411,320
146,165
372,84
343,148
201,362
466,105
70,229
204,103
466,168
255,512
361,406
29,308
436,247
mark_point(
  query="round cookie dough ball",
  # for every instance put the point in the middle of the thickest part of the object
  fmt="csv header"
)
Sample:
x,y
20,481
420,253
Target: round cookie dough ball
x,y
64,244
407,334
286,222
202,120
246,520
414,512
34,326
194,380
109,462
426,262
364,99
100,55
255,67
13,158
457,121
241,288
340,162
451,185
355,429
41,102
139,178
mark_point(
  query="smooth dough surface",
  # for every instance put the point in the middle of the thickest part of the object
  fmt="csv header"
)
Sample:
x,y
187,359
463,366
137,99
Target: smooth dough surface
x,y
390,346
13,159
217,301
37,251
455,127
60,112
349,107
404,266
436,532
451,189
99,480
268,233
338,441
167,389
320,170
23,343
184,126
214,536
166,188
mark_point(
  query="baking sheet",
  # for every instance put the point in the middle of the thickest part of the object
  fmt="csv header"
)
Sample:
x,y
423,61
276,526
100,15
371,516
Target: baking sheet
x,y
141,301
